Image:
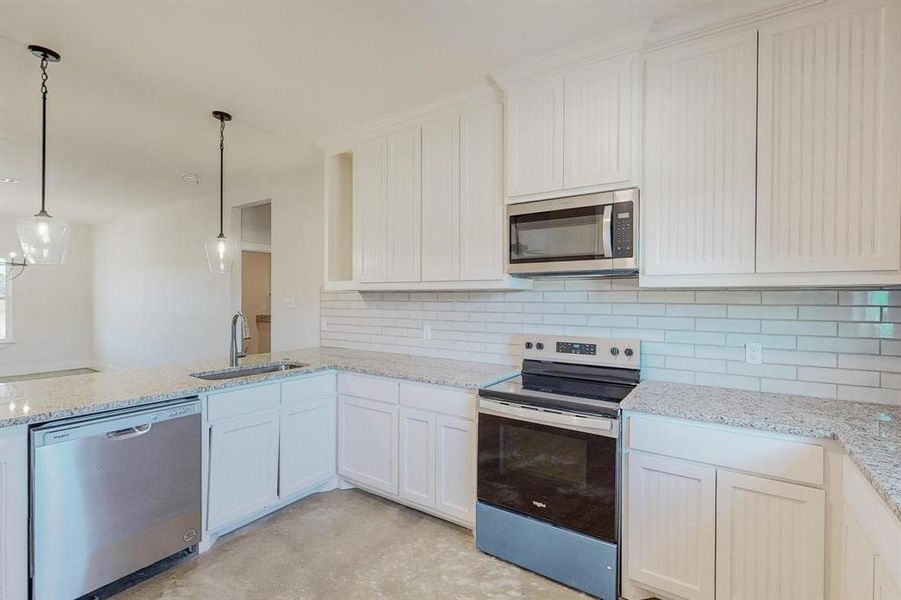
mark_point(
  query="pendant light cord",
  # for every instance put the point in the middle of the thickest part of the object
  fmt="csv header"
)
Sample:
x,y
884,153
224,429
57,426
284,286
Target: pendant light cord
x,y
221,175
43,134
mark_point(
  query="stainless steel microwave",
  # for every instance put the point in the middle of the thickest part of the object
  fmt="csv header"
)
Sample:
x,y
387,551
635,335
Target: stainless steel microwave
x,y
590,234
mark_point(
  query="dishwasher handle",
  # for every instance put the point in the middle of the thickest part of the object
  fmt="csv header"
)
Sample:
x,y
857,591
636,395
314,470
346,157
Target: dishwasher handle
x,y
129,433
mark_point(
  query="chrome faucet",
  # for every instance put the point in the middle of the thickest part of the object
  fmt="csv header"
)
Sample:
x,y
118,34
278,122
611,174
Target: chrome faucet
x,y
236,349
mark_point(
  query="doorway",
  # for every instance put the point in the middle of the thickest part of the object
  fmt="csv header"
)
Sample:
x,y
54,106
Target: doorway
x,y
256,275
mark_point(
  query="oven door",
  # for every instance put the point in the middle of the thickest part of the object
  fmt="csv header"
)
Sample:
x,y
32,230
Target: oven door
x,y
555,467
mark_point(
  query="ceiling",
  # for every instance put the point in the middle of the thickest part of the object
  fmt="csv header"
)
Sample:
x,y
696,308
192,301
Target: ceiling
x,y
129,105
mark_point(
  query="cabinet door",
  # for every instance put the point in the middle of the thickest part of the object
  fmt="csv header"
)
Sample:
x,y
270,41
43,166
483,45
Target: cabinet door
x,y
769,539
370,218
884,586
828,140
535,137
670,526
404,205
597,124
441,200
14,513
307,445
367,443
857,559
698,200
243,476
417,456
481,193
456,468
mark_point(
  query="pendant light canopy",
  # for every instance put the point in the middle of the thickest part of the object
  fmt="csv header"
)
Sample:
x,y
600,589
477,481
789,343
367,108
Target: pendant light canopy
x,y
221,251
44,240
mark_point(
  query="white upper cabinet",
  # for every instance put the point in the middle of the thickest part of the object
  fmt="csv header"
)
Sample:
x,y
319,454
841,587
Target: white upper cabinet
x,y
597,124
370,211
482,192
698,197
574,132
535,137
441,200
828,162
403,205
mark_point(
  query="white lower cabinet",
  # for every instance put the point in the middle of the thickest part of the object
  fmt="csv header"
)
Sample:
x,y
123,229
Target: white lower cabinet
x,y
455,476
858,562
14,513
417,456
885,587
700,531
243,467
769,539
306,445
267,444
367,443
671,527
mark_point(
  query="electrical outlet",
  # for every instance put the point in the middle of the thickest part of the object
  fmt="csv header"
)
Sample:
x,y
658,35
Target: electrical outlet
x,y
323,324
753,354
426,332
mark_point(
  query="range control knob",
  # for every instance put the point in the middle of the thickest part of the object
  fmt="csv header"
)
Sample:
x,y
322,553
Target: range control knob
x,y
628,352
528,345
614,351
539,346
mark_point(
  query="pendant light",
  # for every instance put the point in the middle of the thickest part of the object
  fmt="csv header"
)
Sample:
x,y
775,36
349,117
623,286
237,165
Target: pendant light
x,y
44,240
221,251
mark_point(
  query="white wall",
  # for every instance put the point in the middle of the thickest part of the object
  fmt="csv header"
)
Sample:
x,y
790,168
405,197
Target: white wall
x,y
157,303
51,308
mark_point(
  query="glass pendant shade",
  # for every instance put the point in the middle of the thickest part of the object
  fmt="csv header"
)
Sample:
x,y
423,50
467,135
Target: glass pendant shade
x,y
44,240
221,253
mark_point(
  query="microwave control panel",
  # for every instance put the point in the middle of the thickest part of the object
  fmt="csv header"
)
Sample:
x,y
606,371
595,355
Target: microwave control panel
x,y
623,226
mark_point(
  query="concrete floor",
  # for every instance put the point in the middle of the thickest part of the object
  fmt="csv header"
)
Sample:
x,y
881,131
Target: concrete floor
x,y
347,544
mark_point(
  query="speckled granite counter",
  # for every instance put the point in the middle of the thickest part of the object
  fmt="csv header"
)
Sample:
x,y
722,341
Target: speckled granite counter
x,y
46,399
869,433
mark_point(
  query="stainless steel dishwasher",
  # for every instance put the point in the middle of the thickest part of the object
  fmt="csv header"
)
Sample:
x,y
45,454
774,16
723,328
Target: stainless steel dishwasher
x,y
112,494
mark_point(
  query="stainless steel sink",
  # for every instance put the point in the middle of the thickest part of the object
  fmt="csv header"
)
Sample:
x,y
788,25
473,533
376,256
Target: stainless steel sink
x,y
248,370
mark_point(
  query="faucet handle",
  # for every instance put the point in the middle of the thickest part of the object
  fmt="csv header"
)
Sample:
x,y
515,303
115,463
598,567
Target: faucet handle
x,y
245,329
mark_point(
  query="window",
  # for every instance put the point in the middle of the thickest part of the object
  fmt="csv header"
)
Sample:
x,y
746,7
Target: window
x,y
5,316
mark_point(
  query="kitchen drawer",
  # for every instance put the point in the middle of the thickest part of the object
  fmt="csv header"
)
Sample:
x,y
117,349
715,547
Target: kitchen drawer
x,y
308,388
755,453
449,401
371,388
242,401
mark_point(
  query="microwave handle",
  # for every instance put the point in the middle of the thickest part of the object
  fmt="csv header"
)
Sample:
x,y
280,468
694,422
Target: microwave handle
x,y
607,231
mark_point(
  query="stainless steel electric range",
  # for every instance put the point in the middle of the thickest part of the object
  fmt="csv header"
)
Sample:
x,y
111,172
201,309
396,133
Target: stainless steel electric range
x,y
548,456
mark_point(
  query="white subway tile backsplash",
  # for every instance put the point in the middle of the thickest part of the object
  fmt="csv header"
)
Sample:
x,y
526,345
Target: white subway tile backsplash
x,y
848,345
800,388
847,376
799,327
824,297
840,313
831,343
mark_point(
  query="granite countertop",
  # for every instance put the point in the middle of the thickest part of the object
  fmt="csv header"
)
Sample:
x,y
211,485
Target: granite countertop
x,y
41,400
869,433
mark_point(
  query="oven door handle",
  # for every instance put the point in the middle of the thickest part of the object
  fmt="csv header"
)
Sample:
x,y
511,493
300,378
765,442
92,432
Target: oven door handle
x,y
585,424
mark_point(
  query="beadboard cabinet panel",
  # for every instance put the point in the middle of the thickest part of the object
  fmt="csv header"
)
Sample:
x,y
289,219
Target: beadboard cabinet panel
x,y
441,200
597,131
535,137
671,525
828,156
370,211
769,539
698,201
482,193
403,205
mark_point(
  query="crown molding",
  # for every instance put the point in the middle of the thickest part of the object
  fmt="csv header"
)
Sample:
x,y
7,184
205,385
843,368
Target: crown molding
x,y
729,15
455,104
628,39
